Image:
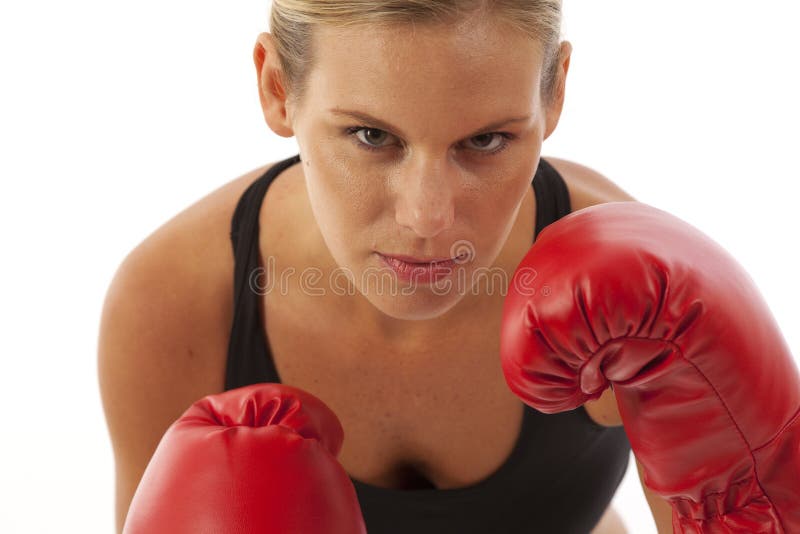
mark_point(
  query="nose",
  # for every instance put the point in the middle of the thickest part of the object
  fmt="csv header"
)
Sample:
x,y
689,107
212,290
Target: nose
x,y
425,198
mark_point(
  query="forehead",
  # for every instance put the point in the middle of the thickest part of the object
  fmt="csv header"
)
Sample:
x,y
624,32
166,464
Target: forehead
x,y
471,61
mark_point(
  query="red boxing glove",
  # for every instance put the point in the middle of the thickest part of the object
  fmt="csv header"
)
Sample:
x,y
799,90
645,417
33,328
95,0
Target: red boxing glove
x,y
260,458
707,388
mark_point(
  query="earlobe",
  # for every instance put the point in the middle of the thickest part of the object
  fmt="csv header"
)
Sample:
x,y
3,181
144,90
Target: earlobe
x,y
271,91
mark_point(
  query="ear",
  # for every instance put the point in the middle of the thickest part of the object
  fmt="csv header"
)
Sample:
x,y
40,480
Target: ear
x,y
553,111
271,89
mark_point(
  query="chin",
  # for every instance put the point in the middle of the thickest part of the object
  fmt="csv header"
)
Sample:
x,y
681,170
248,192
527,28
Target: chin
x,y
420,305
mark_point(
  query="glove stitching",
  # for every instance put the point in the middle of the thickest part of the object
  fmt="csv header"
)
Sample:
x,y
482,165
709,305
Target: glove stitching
x,y
680,353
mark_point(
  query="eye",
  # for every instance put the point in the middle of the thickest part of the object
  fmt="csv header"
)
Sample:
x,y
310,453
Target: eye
x,y
488,144
371,138
485,141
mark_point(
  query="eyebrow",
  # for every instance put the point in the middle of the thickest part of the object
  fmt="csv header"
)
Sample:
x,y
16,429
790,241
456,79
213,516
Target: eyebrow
x,y
366,117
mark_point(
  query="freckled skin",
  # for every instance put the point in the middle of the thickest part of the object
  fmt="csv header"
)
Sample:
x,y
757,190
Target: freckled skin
x,y
432,182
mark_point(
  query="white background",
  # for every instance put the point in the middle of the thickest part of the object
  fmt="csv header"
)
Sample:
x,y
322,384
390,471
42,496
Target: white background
x,y
115,116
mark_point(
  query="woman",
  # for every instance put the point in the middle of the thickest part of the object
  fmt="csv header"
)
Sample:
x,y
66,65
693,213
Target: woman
x,y
420,127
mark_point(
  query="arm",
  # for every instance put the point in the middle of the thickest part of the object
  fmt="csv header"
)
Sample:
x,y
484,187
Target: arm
x,y
662,511
164,329
149,366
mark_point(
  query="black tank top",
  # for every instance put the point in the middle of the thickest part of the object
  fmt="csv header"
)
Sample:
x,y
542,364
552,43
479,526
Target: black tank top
x,y
561,474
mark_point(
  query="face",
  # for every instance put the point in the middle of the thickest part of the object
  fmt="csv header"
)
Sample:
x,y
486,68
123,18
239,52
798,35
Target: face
x,y
418,142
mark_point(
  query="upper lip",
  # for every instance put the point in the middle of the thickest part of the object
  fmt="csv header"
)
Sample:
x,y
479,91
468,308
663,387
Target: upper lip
x,y
412,259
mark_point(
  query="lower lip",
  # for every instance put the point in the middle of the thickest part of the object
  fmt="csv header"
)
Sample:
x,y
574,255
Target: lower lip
x,y
420,273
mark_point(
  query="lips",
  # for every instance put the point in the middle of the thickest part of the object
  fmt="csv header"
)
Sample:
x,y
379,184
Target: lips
x,y
411,269
412,259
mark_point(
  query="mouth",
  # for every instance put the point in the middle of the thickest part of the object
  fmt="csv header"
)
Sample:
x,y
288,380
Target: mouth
x,y
419,269
414,260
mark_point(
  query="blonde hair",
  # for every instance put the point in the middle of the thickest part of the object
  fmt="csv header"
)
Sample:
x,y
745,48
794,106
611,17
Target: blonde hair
x,y
292,23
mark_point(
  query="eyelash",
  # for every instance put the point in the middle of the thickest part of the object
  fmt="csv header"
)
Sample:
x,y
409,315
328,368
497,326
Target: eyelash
x,y
351,132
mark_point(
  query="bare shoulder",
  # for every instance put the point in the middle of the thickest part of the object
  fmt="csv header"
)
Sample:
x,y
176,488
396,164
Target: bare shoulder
x,y
163,329
170,300
180,275
588,187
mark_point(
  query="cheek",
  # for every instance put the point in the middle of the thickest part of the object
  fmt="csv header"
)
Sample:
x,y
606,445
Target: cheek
x,y
493,226
348,201
497,201
358,189
497,212
344,205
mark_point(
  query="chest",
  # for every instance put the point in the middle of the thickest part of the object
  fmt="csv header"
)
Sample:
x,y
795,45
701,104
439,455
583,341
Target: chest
x,y
411,419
